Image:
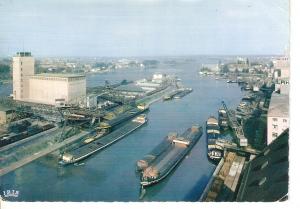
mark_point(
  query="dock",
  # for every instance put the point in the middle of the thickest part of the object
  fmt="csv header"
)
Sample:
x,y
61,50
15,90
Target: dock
x,y
28,139
150,99
225,145
42,152
223,183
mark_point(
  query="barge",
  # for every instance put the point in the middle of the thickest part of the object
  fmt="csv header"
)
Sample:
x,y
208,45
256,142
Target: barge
x,y
177,94
212,135
123,117
171,95
96,144
223,119
183,93
170,152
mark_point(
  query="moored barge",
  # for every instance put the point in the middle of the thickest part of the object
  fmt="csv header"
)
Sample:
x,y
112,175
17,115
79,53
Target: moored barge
x,y
163,158
212,135
97,144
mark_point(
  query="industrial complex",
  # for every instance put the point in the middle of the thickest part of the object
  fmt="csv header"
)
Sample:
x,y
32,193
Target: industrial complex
x,y
49,89
57,115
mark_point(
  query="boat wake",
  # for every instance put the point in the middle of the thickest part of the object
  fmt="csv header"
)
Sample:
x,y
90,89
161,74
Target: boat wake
x,y
142,193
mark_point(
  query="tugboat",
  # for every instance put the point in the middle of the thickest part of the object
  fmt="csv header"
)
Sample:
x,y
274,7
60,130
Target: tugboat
x,y
214,153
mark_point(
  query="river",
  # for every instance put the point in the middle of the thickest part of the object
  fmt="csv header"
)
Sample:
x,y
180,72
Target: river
x,y
110,174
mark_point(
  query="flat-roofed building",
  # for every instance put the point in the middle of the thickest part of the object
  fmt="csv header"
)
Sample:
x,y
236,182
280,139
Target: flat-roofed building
x,y
147,85
266,177
278,116
23,67
282,64
282,86
53,88
6,115
48,89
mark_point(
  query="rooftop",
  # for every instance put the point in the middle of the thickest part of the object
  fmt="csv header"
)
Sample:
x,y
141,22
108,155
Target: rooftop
x,y
279,105
59,75
23,54
266,176
4,108
130,88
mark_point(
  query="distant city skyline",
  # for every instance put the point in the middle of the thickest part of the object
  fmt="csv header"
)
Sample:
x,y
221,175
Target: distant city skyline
x,y
127,28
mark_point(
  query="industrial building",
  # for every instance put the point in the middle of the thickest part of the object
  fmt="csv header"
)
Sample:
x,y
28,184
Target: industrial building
x,y
23,67
6,115
263,178
130,90
266,176
51,89
156,82
282,86
278,116
282,67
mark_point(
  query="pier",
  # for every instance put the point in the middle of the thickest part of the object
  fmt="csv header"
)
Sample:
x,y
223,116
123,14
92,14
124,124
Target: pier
x,y
224,181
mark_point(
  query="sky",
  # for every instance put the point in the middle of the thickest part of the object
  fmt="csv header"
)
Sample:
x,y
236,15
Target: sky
x,y
105,28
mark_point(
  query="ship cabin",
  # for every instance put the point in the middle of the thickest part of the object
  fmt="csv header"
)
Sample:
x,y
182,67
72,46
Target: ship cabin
x,y
67,157
181,141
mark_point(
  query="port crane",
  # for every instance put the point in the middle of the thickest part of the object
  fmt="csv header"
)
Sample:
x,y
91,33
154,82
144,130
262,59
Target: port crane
x,y
75,120
236,127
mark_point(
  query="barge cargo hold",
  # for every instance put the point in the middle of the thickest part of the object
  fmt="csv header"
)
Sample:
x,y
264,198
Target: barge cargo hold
x,y
163,158
100,143
183,93
223,119
123,117
171,95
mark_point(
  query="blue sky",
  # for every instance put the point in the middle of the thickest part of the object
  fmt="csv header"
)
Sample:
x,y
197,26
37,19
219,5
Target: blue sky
x,y
144,27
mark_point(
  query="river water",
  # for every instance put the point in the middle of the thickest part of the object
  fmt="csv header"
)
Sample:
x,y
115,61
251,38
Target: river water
x,y
110,175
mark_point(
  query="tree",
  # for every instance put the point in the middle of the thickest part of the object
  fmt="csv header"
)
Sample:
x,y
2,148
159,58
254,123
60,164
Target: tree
x,y
4,71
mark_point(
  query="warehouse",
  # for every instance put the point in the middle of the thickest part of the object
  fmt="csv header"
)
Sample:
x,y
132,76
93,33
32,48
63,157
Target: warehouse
x,y
50,88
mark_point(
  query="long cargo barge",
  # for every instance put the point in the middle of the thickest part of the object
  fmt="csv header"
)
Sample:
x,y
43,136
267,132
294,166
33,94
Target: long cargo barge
x,y
183,93
163,158
102,142
177,94
123,117
171,95
212,135
223,119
